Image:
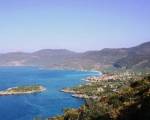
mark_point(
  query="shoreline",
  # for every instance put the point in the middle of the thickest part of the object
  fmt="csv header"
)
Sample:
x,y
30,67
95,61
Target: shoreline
x,y
108,77
47,68
77,94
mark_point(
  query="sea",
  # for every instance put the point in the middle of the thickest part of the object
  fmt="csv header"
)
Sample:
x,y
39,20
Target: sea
x,y
48,103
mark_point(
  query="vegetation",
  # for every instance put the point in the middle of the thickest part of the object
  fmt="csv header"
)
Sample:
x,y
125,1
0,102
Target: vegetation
x,y
129,101
25,88
22,90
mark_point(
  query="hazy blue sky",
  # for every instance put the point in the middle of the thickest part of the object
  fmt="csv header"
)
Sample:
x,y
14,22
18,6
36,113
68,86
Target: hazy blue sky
x,y
80,25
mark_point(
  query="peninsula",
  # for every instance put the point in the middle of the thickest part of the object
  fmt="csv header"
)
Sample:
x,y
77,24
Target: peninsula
x,y
22,90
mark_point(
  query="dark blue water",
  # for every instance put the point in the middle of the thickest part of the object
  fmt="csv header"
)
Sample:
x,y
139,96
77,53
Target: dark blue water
x,y
46,104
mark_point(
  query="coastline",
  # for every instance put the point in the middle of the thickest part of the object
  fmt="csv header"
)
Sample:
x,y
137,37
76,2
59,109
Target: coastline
x,y
77,94
134,86
108,77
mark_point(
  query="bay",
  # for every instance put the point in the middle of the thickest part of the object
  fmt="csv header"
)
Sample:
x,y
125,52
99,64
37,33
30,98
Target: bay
x,y
45,104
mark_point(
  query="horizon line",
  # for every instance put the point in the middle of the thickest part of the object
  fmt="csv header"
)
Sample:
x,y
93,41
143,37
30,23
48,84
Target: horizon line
x,y
34,51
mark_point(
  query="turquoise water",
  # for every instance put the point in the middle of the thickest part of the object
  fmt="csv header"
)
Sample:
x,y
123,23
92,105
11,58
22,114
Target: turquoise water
x,y
46,104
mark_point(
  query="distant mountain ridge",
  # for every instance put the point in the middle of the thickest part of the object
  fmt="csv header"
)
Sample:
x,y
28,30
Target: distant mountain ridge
x,y
135,57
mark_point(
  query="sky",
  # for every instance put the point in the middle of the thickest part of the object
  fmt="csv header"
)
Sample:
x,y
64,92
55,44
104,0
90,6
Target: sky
x,y
78,25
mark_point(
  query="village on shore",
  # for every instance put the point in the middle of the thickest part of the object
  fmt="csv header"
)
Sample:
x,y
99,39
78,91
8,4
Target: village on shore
x,y
112,81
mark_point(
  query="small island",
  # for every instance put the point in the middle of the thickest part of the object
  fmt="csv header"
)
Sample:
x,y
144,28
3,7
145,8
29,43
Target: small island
x,y
22,90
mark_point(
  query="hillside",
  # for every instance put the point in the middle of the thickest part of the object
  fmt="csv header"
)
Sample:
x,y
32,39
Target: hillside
x,y
135,57
138,57
127,98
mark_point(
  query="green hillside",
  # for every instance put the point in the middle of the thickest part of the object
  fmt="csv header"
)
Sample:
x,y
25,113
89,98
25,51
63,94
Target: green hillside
x,y
131,101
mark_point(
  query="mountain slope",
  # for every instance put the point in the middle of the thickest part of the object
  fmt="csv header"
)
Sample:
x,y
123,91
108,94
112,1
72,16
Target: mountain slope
x,y
135,57
138,57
